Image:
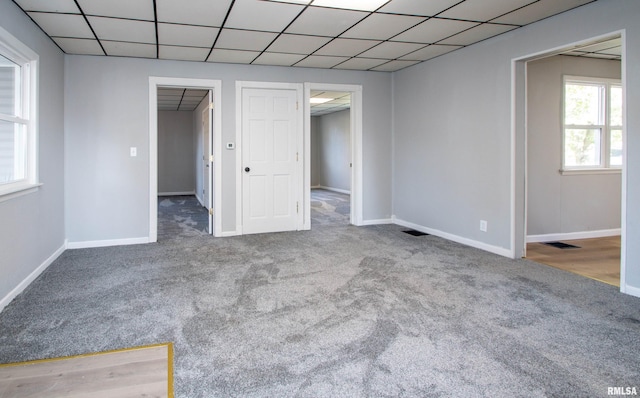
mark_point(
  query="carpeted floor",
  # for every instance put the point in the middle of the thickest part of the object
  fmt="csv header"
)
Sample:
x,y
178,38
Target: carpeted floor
x,y
181,216
338,311
329,208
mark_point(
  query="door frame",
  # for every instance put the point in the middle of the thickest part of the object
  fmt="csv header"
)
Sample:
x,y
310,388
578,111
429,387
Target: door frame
x,y
355,121
298,87
519,161
216,88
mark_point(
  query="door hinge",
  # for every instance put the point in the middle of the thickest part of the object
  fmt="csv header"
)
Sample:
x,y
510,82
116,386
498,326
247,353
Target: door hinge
x,y
210,211
211,105
211,158
297,207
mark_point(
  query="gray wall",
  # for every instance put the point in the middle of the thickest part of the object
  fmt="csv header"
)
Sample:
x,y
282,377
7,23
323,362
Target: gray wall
x,y
107,112
32,226
334,150
453,135
176,152
564,203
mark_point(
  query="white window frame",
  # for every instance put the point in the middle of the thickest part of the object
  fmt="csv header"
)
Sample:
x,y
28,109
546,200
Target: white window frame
x,y
17,52
605,129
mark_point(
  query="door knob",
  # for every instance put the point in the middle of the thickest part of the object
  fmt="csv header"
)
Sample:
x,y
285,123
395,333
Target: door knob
x,y
247,169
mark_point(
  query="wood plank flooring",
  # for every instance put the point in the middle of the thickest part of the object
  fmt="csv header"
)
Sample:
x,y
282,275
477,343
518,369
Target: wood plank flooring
x,y
597,258
137,372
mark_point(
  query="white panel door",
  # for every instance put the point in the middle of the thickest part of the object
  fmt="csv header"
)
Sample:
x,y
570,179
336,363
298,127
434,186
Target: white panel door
x,y
270,183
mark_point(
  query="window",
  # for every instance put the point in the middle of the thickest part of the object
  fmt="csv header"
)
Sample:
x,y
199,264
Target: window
x,y
18,71
592,128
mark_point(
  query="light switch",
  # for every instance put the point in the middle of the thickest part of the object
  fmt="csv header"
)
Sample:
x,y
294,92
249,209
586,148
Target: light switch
x,y
133,151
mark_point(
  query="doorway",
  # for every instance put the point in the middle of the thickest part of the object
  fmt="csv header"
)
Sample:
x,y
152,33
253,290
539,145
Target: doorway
x,y
532,154
157,84
330,158
348,97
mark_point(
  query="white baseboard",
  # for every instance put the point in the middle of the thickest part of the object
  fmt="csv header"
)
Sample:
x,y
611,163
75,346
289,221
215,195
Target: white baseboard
x,y
200,201
574,235
381,221
181,193
107,242
631,290
501,251
344,191
32,276
226,234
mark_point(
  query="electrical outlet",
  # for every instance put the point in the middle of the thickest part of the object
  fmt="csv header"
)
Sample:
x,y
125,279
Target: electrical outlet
x,y
483,225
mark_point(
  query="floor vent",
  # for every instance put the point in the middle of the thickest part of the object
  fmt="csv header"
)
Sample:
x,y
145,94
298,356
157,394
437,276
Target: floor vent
x,y
561,245
415,233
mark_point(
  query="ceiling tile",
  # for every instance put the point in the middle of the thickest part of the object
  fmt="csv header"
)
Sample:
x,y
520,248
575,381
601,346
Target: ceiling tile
x,y
382,26
183,53
63,25
539,10
346,47
360,63
483,10
298,44
391,50
305,2
413,7
429,52
232,56
278,59
434,30
605,45
65,6
123,29
325,21
186,35
193,12
363,5
477,34
321,61
79,46
262,15
122,49
244,39
393,66
171,91
133,9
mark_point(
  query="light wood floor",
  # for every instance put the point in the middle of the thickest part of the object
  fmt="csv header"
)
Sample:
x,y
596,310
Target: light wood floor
x,y
597,258
138,372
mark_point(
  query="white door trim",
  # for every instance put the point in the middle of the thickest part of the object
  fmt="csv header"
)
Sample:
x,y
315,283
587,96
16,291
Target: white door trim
x,y
216,87
356,217
240,85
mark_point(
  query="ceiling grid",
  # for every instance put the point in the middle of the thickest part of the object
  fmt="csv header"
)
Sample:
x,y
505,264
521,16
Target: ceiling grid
x,y
378,35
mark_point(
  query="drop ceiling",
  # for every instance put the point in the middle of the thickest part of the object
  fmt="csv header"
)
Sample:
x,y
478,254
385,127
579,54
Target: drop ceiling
x,y
378,35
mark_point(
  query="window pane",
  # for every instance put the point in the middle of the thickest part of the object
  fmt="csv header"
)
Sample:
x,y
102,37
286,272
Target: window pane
x,y
9,87
615,155
581,147
13,152
583,104
616,106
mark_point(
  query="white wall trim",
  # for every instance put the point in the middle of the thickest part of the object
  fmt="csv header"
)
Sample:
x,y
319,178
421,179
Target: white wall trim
x,y
32,276
630,290
501,251
338,190
184,193
356,149
381,221
107,242
574,235
210,84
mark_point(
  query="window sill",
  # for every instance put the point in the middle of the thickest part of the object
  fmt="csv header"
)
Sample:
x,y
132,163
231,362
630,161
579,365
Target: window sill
x,y
18,191
572,172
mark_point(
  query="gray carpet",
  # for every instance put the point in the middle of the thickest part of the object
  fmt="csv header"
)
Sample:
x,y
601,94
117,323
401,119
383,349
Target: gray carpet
x,y
339,311
328,207
181,216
